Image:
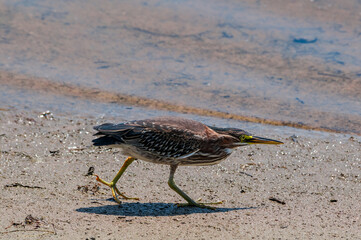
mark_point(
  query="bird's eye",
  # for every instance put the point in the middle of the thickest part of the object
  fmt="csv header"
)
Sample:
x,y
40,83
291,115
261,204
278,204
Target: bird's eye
x,y
244,138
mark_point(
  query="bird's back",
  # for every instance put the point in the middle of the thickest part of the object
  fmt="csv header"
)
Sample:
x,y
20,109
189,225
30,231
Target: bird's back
x,y
166,140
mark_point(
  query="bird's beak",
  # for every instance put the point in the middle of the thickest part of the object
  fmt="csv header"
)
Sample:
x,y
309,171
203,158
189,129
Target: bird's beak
x,y
260,140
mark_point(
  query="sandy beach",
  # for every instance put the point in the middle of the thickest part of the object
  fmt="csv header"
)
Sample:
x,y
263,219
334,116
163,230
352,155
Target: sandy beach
x,y
308,188
286,70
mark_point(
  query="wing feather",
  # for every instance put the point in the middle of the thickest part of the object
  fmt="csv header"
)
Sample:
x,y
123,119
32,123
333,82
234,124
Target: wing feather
x,y
163,141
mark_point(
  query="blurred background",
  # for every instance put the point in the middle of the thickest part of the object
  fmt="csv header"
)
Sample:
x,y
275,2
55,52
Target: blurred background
x,y
284,63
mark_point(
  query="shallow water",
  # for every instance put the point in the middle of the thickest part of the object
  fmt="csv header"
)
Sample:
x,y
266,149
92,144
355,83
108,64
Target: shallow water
x,y
291,61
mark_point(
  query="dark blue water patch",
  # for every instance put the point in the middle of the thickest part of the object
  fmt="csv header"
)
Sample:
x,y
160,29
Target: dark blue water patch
x,y
334,57
103,67
200,66
340,62
276,81
226,35
300,101
172,83
304,40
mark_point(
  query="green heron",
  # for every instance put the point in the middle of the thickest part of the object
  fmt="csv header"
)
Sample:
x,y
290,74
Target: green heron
x,y
172,141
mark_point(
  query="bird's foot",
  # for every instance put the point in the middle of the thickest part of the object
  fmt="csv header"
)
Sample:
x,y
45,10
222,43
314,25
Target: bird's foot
x,y
115,190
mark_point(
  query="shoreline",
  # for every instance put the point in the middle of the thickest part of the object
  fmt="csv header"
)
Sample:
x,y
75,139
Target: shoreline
x,y
65,90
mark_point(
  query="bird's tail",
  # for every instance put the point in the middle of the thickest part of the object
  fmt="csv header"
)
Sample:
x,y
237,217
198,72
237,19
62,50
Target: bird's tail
x,y
105,141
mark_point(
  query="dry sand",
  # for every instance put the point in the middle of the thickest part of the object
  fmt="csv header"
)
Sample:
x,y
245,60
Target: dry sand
x,y
315,184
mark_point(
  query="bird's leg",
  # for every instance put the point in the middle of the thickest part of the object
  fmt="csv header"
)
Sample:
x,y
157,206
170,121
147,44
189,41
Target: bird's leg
x,y
113,183
190,201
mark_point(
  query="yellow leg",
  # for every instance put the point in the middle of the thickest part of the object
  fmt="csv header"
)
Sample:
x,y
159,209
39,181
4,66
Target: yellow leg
x,y
113,183
190,201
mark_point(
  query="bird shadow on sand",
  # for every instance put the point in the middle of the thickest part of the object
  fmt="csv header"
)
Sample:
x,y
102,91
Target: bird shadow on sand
x,y
152,209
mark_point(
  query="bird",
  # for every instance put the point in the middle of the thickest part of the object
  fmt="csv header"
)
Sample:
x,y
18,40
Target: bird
x,y
172,141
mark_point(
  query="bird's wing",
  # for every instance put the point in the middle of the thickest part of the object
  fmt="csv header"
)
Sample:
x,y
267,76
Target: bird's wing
x,y
164,141
169,143
120,131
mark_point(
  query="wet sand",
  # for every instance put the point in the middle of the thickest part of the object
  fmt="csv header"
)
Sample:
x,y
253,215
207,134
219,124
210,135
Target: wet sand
x,y
345,124
308,188
287,61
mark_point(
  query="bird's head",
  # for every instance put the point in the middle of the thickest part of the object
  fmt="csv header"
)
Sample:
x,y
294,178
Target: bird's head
x,y
240,137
